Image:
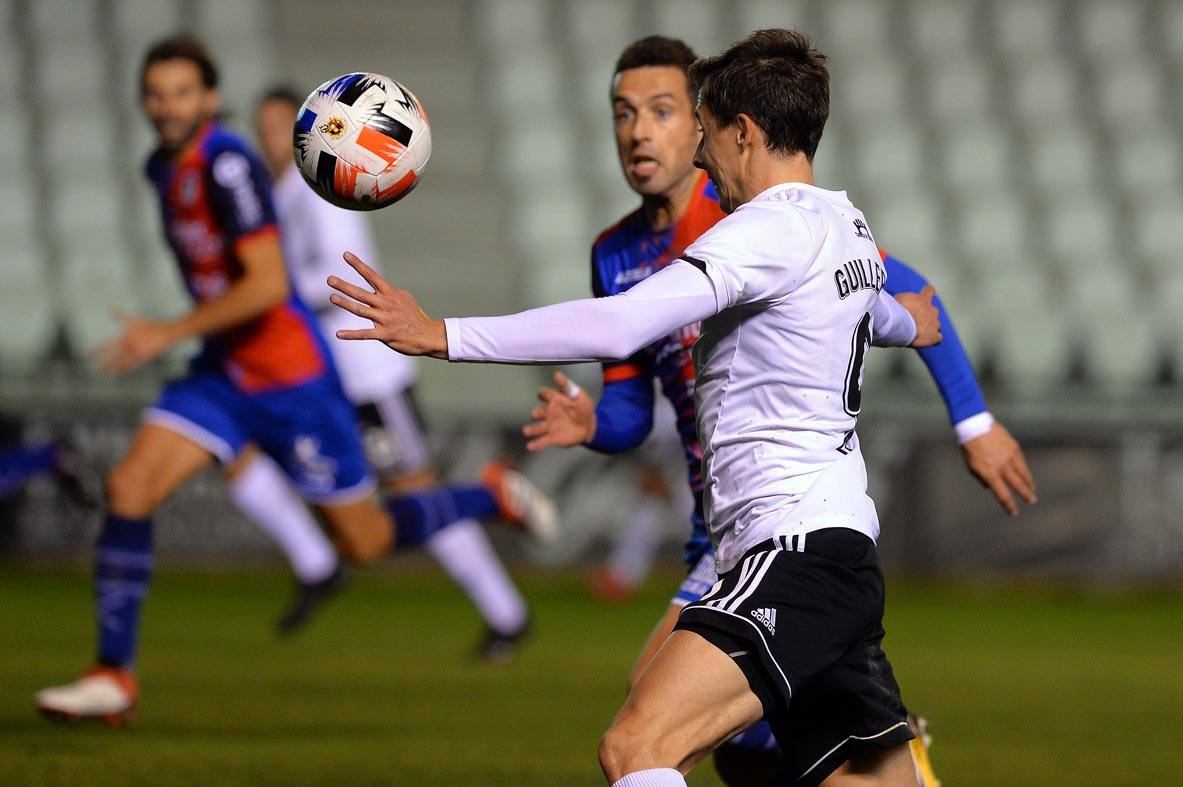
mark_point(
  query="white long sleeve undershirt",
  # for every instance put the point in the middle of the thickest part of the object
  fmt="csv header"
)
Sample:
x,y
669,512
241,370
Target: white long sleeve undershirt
x,y
604,329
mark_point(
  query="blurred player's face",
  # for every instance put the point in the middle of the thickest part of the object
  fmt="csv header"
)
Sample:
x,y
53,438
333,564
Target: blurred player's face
x,y
656,132
177,101
273,123
718,153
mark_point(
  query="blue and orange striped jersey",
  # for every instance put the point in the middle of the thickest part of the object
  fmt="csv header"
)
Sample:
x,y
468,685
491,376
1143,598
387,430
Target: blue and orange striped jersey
x,y
215,196
631,251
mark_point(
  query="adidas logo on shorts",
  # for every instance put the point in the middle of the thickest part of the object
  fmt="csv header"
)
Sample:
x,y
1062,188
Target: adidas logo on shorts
x,y
767,617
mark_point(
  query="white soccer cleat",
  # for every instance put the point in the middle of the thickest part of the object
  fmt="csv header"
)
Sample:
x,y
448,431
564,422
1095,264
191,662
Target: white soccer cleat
x,y
104,693
521,502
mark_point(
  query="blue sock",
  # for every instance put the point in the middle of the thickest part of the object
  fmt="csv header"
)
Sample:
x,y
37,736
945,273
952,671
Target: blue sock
x,y
18,465
473,502
759,736
122,572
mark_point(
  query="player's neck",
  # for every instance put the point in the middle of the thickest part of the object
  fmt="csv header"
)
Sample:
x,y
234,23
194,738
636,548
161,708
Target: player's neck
x,y
767,171
663,211
183,147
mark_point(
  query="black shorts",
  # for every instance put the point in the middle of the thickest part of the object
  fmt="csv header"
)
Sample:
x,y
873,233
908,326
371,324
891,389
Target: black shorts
x,y
802,616
394,435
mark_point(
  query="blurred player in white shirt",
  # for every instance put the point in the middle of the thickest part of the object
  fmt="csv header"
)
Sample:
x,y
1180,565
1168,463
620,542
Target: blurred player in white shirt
x,y
379,384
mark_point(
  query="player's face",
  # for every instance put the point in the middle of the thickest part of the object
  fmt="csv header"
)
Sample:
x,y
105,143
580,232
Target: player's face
x,y
177,101
656,132
274,120
718,154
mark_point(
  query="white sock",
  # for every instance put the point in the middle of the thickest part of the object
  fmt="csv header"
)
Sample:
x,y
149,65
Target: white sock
x,y
265,495
653,777
635,547
464,551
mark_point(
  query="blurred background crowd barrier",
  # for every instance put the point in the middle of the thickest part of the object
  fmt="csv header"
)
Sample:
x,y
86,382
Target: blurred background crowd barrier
x,y
1024,154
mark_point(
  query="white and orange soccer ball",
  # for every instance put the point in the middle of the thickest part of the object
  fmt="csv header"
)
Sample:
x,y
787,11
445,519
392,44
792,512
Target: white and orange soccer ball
x,y
362,140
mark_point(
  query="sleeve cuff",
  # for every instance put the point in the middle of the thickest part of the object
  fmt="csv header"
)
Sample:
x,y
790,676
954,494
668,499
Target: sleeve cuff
x,y
455,344
973,427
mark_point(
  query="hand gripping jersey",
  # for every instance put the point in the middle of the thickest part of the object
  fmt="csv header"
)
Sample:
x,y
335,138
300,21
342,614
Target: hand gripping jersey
x,y
214,197
796,276
630,252
315,235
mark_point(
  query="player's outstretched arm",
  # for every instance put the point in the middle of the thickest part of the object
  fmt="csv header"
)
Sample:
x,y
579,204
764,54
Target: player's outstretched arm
x,y
592,329
262,285
992,455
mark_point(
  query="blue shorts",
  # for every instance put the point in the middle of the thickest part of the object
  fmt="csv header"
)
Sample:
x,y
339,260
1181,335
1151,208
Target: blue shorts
x,y
699,542
309,429
700,579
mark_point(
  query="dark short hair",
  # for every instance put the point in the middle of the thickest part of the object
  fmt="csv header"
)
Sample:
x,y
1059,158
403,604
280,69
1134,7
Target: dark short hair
x,y
184,46
775,77
656,51
286,93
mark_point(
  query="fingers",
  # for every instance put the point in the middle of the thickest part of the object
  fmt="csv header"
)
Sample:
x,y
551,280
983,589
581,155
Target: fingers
x,y
928,293
353,307
1020,464
561,380
372,277
352,290
1003,495
364,333
1017,482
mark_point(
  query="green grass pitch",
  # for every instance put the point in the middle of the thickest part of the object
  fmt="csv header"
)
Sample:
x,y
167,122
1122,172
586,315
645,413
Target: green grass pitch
x,y
1030,687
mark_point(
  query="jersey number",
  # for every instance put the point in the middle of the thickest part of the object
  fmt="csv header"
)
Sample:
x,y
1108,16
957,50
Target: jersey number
x,y
860,342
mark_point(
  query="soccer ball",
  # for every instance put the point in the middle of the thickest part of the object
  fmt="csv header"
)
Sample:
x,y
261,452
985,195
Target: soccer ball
x,y
361,141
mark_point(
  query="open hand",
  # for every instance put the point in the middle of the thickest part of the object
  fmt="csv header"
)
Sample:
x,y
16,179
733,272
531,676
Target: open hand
x,y
399,322
996,460
142,340
566,417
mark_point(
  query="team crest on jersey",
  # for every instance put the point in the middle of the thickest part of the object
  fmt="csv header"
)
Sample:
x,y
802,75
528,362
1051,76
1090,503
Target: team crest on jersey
x,y
316,470
862,230
189,188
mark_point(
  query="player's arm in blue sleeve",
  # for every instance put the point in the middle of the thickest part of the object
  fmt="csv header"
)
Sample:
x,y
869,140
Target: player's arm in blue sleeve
x,y
624,414
947,362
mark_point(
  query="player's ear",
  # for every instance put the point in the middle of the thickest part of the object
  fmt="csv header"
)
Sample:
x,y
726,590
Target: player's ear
x,y
213,101
746,130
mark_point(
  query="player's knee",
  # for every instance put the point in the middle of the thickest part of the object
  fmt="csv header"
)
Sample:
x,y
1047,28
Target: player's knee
x,y
624,749
364,542
129,492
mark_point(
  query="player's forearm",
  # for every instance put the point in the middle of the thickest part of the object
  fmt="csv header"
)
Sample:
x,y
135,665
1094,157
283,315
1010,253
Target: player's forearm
x,y
947,362
624,416
246,299
592,329
892,325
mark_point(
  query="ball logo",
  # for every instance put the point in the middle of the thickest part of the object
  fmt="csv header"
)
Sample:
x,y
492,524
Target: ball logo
x,y
334,127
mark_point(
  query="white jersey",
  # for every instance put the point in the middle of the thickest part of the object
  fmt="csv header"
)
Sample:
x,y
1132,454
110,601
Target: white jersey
x,y
314,235
796,276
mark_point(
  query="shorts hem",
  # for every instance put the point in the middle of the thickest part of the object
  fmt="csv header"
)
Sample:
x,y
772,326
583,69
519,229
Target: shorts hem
x,y
727,622
895,735
179,424
350,494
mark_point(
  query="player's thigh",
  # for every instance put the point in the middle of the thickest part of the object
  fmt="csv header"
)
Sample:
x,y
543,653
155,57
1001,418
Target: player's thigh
x,y
892,767
657,638
691,698
158,461
360,529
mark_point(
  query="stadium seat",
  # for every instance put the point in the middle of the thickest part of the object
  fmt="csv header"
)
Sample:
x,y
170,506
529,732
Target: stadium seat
x,y
1169,23
958,92
853,29
85,209
1129,92
938,28
1021,28
241,19
1043,90
870,88
1108,315
26,300
978,157
509,24
80,138
992,230
908,224
697,22
18,202
1062,158
62,21
1081,232
605,26
759,14
1152,234
96,281
72,71
542,147
11,65
1110,28
14,153
528,78
1148,160
550,216
887,155
137,22
1033,345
